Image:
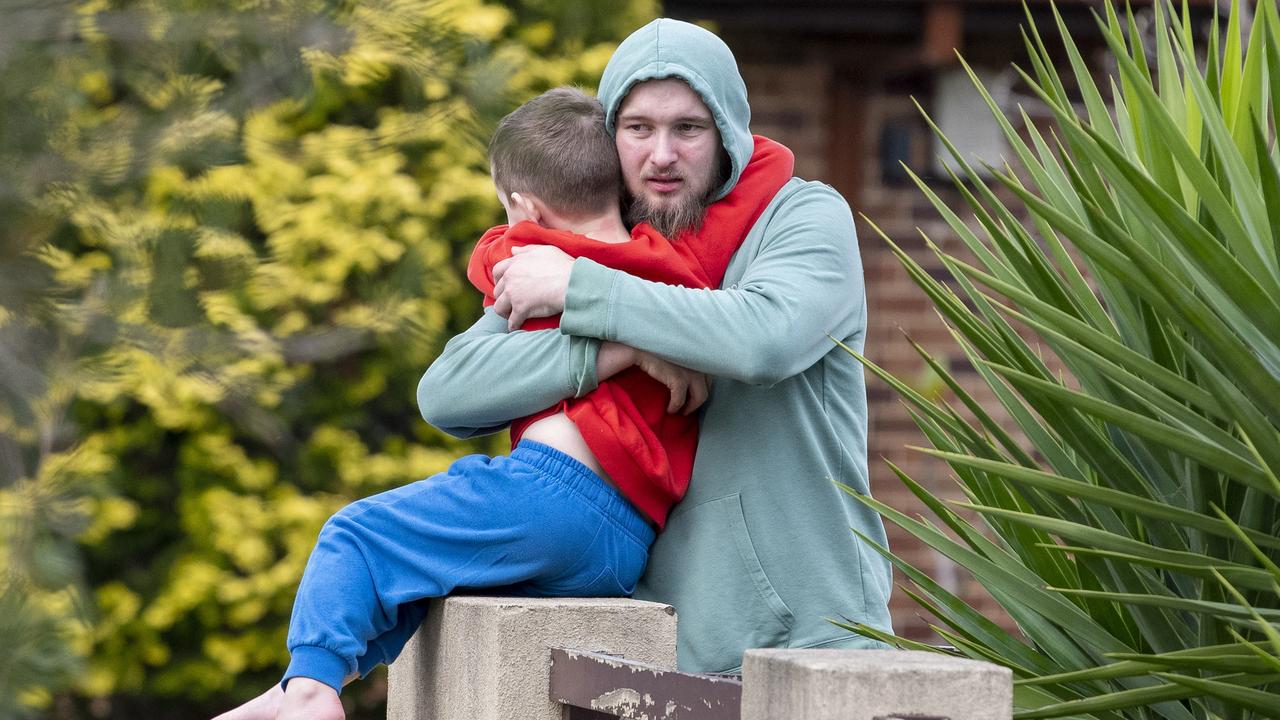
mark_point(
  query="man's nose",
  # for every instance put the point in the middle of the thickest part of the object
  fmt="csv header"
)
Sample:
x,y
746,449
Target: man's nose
x,y
664,150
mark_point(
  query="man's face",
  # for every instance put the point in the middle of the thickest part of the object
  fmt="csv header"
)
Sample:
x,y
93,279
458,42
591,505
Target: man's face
x,y
669,148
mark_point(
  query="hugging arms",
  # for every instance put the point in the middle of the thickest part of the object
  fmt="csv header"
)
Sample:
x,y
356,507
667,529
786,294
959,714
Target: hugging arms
x,y
771,324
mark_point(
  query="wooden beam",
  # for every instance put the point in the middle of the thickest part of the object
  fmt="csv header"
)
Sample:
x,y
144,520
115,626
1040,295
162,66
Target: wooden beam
x,y
846,127
943,32
615,687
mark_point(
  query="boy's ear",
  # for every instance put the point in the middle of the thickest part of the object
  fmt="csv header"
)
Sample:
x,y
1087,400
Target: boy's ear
x,y
529,205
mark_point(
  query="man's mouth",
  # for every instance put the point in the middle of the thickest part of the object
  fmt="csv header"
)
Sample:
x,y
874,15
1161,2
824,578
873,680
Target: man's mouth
x,y
664,184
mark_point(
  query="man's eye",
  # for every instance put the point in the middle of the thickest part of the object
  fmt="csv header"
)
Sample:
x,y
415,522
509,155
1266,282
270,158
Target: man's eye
x,y
688,127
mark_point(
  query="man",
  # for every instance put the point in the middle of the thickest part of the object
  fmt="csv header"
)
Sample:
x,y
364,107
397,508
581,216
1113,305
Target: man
x,y
759,553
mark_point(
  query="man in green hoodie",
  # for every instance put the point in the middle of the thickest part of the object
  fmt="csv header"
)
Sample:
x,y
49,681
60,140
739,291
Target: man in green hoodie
x,y
759,553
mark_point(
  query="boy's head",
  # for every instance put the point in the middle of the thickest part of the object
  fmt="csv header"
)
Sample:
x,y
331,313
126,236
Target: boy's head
x,y
555,148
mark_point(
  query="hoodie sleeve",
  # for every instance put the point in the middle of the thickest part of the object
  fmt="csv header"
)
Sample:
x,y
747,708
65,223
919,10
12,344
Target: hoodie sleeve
x,y
804,283
486,377
493,246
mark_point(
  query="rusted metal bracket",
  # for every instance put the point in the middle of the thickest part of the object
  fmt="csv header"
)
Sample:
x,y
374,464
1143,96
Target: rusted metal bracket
x,y
594,686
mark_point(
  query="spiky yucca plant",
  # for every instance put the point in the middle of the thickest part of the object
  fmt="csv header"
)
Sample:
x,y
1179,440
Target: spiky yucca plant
x,y
1131,531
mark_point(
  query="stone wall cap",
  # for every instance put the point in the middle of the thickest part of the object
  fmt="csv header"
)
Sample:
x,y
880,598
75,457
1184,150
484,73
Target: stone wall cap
x,y
828,660
490,601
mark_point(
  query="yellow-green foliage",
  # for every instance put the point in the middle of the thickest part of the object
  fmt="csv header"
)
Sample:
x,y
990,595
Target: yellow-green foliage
x,y
234,235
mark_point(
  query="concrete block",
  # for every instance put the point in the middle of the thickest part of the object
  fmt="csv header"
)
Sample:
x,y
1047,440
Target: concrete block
x,y
871,685
489,658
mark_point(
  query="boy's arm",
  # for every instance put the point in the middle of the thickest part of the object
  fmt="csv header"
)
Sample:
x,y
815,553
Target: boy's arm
x,y
805,283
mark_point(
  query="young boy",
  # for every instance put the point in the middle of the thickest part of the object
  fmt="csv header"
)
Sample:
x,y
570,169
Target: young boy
x,y
573,509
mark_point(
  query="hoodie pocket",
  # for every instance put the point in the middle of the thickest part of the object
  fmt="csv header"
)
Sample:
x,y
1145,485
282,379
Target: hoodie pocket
x,y
721,593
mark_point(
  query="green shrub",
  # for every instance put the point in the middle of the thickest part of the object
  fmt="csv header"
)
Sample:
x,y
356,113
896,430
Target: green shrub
x,y
234,238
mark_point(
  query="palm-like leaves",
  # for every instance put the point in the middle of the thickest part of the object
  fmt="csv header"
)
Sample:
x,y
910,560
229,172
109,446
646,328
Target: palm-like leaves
x,y
1135,536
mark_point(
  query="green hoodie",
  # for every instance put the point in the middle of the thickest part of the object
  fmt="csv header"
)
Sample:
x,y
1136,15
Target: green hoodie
x,y
759,553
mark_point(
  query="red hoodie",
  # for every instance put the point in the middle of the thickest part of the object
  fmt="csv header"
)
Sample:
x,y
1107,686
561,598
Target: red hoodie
x,y
645,451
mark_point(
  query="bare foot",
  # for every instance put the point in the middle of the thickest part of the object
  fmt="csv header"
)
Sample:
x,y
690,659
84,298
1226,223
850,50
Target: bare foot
x,y
307,699
263,707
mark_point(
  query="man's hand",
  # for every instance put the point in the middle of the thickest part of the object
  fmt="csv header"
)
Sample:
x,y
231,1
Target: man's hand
x,y
688,388
531,283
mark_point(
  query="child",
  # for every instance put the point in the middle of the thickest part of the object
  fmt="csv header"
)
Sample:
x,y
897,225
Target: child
x,y
573,509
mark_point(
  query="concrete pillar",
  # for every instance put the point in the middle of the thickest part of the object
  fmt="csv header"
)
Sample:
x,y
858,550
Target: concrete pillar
x,y
872,685
489,658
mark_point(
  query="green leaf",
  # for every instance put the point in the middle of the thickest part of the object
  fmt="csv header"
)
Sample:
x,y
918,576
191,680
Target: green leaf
x,y
1234,461
1124,699
1106,496
1256,700
1178,603
1231,82
1099,115
1128,668
962,616
1196,565
1271,661
1119,545
877,634
902,388
1067,329
1207,263
1272,634
984,418
1009,579
1157,288
1259,434
1043,61
1252,98
1232,663
1246,195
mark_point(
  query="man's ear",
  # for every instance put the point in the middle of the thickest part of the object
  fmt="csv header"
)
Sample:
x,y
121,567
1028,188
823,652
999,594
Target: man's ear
x,y
529,205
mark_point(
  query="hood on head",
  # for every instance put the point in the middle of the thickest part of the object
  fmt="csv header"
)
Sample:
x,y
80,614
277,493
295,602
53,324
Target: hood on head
x,y
668,48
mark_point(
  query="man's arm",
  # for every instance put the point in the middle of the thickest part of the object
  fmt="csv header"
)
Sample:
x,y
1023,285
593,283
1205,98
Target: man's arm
x,y
805,282
522,373
486,377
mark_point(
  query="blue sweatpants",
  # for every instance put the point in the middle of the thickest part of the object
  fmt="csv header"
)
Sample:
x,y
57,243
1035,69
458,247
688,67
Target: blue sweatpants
x,y
536,523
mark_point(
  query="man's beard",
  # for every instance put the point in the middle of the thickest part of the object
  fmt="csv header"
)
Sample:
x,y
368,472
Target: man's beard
x,y
679,215
672,219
